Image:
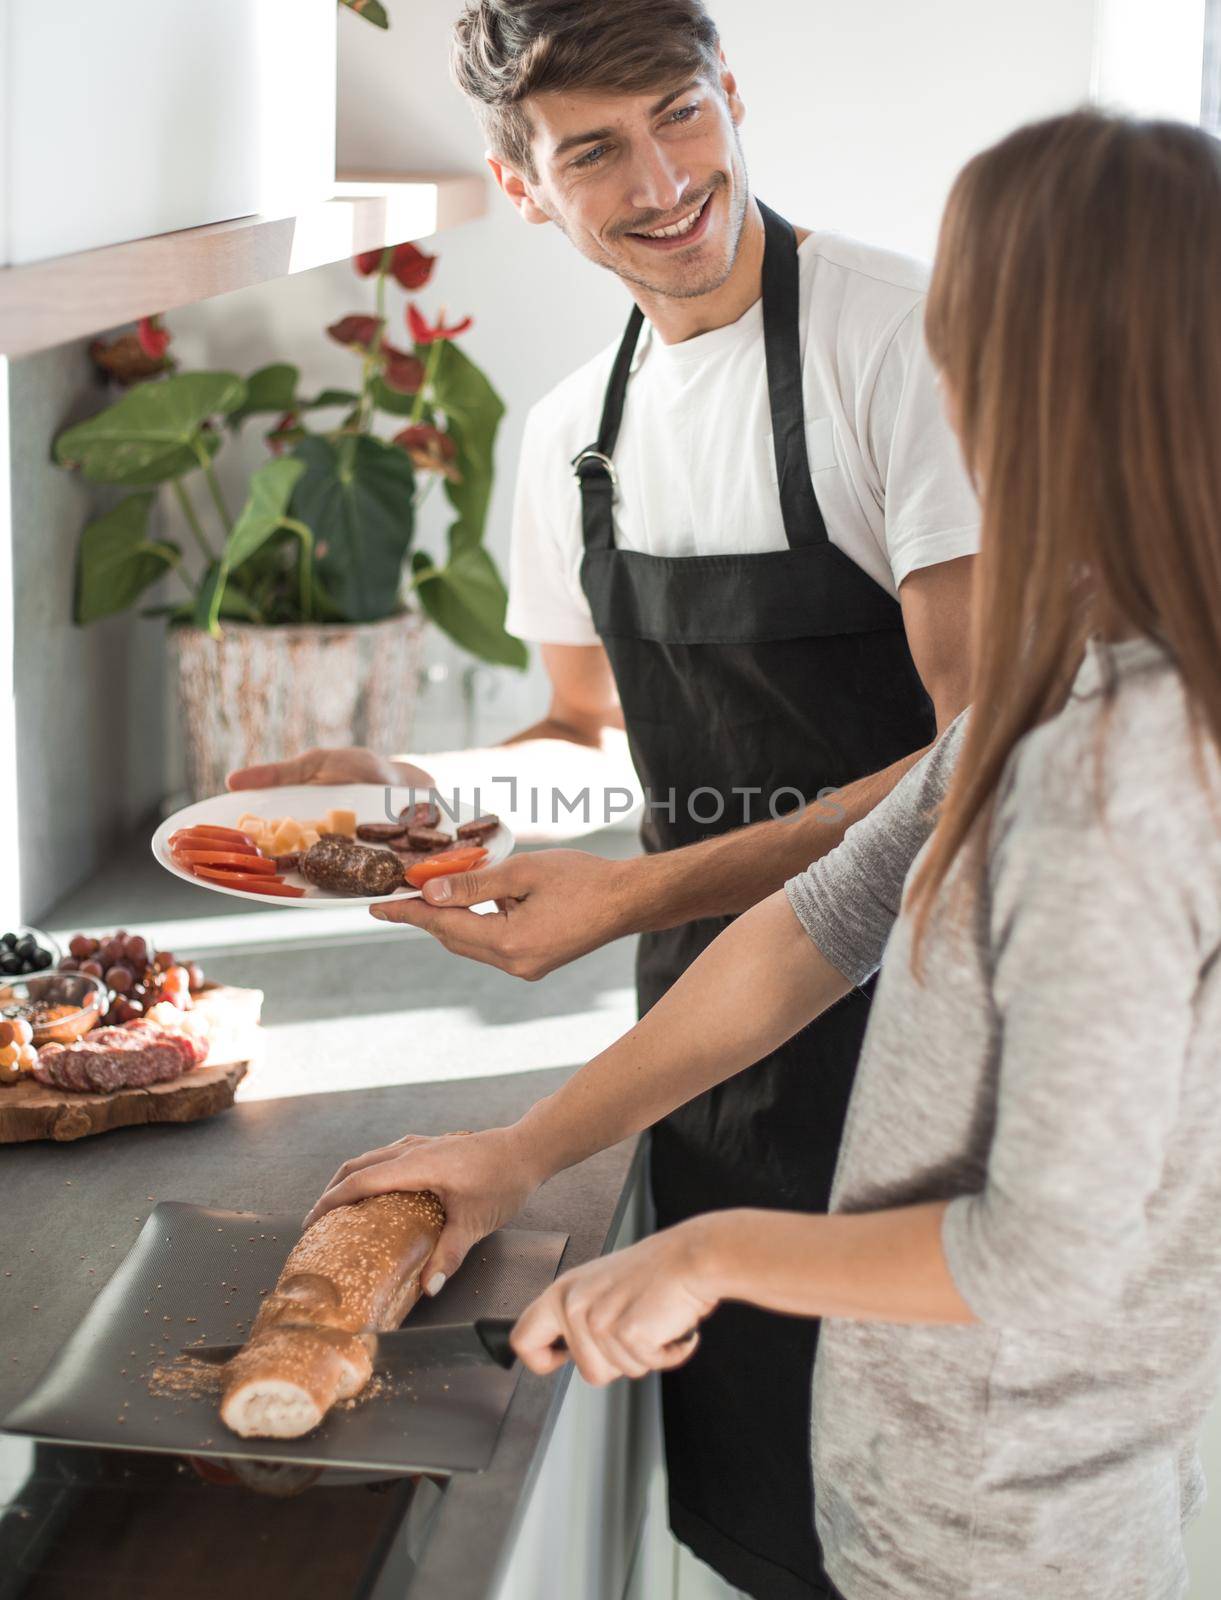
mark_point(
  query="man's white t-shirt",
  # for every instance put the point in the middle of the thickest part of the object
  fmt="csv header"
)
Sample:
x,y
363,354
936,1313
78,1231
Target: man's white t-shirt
x,y
696,468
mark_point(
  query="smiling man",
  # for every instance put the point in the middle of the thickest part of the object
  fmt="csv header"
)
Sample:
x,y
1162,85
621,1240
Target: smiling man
x,y
745,535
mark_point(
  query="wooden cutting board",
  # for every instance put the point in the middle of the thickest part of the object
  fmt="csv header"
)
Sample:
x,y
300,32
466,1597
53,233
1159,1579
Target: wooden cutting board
x,y
33,1110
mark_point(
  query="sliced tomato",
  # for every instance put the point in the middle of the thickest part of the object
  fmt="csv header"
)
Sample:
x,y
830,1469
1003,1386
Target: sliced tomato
x,y
440,866
215,832
216,839
192,857
251,882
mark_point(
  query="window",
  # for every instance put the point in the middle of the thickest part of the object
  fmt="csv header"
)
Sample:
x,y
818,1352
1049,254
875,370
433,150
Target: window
x,y
1210,99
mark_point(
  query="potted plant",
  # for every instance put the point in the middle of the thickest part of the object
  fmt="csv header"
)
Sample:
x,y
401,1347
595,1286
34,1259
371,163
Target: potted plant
x,y
301,621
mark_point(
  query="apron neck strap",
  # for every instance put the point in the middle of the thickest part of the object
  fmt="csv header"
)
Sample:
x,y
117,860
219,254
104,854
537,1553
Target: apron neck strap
x,y
803,522
594,467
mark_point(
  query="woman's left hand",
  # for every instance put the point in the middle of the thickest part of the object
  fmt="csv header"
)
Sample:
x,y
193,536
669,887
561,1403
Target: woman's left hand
x,y
633,1312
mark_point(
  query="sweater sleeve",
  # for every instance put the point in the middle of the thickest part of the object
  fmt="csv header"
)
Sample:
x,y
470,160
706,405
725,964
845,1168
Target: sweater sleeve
x,y
1095,969
847,901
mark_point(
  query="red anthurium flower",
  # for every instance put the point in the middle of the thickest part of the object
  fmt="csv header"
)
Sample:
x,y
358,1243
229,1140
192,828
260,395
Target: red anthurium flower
x,y
357,332
403,372
154,339
412,267
430,450
425,332
368,262
288,428
125,361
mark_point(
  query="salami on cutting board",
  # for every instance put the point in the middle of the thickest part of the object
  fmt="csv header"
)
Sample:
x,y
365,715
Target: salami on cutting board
x,y
32,1110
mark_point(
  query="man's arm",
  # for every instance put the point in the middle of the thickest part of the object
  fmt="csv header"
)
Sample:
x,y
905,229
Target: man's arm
x,y
535,930
584,700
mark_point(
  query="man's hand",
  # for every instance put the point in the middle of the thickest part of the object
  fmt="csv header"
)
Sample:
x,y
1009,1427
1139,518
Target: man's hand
x,y
353,765
482,1180
553,906
630,1313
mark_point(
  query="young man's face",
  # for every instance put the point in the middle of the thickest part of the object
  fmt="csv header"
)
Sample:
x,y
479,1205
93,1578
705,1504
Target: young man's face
x,y
652,186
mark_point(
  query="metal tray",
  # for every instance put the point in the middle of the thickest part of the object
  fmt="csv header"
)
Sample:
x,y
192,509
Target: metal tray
x,y
194,1276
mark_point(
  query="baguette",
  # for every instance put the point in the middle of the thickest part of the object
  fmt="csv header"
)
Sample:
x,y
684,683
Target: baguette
x,y
354,1274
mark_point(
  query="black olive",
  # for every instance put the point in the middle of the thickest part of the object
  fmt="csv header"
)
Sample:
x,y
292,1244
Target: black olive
x,y
9,940
26,946
42,959
10,965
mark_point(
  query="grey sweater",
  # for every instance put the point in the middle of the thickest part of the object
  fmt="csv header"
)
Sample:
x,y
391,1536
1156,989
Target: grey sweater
x,y
1057,1077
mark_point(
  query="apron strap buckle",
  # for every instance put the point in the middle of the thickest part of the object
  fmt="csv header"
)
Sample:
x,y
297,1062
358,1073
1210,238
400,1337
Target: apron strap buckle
x,y
600,465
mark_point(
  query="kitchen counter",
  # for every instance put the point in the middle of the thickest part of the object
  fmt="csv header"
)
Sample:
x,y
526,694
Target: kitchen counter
x,y
368,1031
72,1211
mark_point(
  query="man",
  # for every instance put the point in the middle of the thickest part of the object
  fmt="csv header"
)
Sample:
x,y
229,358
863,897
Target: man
x,y
747,534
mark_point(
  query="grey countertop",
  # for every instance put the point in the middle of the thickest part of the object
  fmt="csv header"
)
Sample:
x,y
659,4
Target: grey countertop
x,y
72,1212
368,1032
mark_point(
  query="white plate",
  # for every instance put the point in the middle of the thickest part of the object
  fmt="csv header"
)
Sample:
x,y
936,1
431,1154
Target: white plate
x,y
370,802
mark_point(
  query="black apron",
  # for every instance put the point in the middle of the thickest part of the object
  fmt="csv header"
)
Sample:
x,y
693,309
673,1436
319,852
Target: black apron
x,y
786,672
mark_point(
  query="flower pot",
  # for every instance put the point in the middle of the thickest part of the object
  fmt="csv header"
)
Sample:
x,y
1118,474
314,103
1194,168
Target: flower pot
x,y
260,693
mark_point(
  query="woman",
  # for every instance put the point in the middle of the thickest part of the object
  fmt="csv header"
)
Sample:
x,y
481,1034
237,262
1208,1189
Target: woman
x,y
1021,1274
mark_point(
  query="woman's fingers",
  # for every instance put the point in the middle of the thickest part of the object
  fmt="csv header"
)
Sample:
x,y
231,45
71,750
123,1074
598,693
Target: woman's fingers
x,y
675,1355
539,1328
386,1152
560,1318
271,774
453,1246
584,1349
625,1315
378,1177
628,1363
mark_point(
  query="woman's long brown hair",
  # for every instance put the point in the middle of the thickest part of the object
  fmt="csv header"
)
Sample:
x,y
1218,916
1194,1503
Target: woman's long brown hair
x,y
1075,315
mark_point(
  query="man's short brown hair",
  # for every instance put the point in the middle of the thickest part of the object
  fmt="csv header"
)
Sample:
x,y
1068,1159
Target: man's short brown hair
x,y
507,50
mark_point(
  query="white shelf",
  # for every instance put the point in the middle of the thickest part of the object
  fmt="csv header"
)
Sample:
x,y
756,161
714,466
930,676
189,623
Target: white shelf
x,y
67,297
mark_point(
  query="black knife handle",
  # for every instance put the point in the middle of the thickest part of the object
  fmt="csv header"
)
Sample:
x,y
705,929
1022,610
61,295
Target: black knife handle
x,y
494,1334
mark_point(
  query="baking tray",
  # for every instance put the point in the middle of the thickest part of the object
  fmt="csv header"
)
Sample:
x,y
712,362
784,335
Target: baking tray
x,y
194,1275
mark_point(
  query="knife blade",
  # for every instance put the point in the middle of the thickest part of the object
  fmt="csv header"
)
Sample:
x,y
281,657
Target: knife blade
x,y
449,1344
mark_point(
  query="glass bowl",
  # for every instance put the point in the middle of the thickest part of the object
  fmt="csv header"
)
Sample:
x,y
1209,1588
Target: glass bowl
x,y
59,1006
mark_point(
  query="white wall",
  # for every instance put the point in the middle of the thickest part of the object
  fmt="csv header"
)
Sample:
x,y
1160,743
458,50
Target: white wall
x,y
1150,58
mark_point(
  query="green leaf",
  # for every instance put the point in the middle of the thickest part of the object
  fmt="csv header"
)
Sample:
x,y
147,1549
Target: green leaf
x,y
271,488
473,411
371,10
155,432
329,397
467,600
387,399
207,601
358,497
233,603
216,599
271,388
117,561
274,390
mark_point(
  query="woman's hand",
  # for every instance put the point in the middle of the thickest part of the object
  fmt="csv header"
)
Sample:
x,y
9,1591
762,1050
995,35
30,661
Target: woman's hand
x,y
353,765
633,1312
482,1180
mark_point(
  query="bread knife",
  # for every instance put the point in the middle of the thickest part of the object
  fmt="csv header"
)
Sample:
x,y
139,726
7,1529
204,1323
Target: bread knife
x,y
448,1344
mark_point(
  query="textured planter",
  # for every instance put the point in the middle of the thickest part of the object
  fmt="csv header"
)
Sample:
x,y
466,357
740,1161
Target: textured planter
x,y
260,694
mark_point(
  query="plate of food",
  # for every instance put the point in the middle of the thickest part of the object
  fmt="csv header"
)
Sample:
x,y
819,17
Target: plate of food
x,y
319,844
